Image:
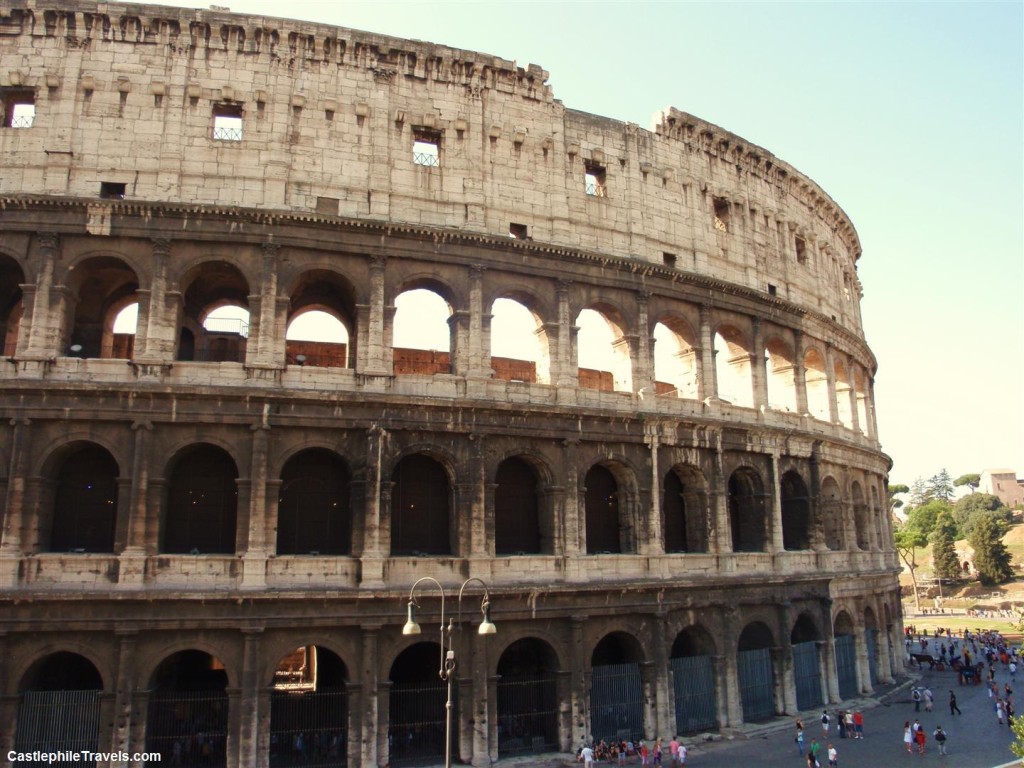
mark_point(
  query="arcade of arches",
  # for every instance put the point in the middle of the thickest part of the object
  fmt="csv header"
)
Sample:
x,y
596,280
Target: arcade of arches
x,y
367,696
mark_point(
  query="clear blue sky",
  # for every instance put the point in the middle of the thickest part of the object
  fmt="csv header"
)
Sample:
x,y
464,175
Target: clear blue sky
x,y
910,116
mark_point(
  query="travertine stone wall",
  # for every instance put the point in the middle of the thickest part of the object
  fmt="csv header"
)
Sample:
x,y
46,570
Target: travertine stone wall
x,y
126,94
687,225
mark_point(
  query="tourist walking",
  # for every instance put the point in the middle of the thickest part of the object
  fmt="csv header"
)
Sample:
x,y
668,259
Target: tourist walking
x,y
940,738
841,724
952,704
916,696
929,699
825,721
908,736
920,738
799,737
833,757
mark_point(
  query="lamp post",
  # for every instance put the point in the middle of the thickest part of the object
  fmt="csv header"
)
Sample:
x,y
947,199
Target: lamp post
x,y
447,669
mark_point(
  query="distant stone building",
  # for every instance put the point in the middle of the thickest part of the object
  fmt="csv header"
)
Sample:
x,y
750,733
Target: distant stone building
x,y
1004,484
210,530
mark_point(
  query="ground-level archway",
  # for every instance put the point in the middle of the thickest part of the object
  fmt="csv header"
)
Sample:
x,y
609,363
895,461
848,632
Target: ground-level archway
x,y
59,705
188,710
416,719
616,689
527,698
693,677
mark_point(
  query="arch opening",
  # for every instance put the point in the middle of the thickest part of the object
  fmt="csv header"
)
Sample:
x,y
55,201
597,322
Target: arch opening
x,y
420,508
616,689
746,511
202,503
517,525
309,709
416,727
188,710
314,515
527,698
796,512
692,663
59,705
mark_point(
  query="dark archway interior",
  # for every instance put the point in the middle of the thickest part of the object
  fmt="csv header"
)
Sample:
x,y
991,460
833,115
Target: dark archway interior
x,y
85,502
313,511
796,512
516,513
746,511
616,648
755,637
62,671
202,503
420,508
602,511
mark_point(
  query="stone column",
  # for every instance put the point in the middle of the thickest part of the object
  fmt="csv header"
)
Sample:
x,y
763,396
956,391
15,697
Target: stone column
x,y
11,545
642,355
579,674
872,416
8,703
863,668
42,322
884,649
156,329
131,572
830,377
564,362
722,541
373,353
708,376
265,348
799,372
478,353
249,715
365,742
777,537
479,713
476,517
651,536
828,658
123,689
787,680
730,679
851,382
255,550
458,332
574,522
758,368
374,552
664,700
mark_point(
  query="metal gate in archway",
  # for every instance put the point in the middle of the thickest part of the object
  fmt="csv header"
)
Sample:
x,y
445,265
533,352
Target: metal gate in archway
x,y
871,638
807,675
417,722
757,688
188,727
846,665
616,702
309,728
64,720
693,679
527,715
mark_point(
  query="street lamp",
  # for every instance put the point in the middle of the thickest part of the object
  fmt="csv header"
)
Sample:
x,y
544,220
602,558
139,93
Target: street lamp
x,y
447,670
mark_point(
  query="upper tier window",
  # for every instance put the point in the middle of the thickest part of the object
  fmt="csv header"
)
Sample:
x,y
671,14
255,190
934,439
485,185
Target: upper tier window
x,y
19,107
595,178
227,122
426,149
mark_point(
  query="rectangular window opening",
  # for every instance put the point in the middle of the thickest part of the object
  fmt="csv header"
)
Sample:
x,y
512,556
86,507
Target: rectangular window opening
x,y
594,180
721,214
426,148
518,231
668,259
112,190
19,106
227,121
801,251
772,290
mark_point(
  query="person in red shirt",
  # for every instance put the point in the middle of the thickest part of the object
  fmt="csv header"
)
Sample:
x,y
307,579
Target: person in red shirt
x,y
858,725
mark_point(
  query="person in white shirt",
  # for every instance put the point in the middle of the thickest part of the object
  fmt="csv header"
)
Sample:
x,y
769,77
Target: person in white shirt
x,y
587,756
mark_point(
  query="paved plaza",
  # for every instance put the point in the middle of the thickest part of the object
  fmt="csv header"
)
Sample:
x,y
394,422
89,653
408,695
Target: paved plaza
x,y
975,739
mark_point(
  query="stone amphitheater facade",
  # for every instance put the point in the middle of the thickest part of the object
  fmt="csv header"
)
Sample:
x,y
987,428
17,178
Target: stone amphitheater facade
x,y
209,536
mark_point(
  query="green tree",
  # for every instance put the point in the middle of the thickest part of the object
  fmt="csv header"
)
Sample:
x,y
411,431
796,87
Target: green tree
x,y
966,511
943,538
923,517
971,481
919,492
908,540
991,560
940,486
891,492
1017,729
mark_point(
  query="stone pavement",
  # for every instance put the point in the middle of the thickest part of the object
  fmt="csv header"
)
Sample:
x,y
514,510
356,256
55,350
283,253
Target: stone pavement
x,y
975,738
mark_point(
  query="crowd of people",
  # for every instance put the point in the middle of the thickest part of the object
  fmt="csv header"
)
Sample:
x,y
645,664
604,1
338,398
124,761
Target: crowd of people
x,y
626,752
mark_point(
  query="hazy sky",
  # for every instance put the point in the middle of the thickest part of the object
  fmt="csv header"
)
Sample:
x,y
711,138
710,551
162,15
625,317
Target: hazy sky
x,y
910,116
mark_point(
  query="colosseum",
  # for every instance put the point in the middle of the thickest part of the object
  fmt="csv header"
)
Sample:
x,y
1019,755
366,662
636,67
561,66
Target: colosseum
x,y
212,522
